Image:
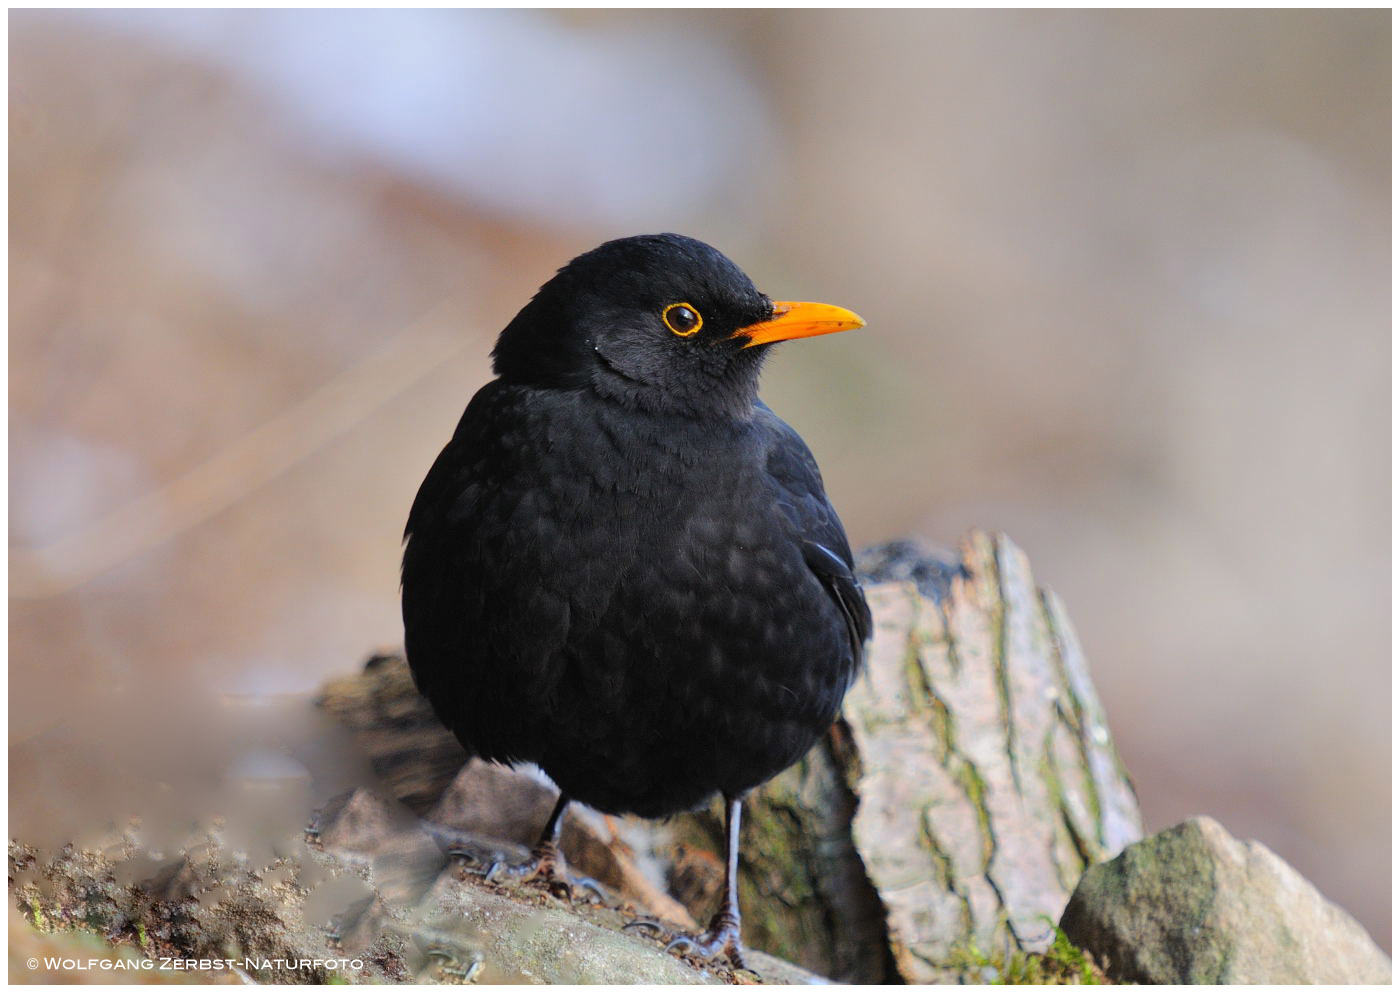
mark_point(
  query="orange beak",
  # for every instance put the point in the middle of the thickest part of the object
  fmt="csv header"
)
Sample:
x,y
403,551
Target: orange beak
x,y
799,320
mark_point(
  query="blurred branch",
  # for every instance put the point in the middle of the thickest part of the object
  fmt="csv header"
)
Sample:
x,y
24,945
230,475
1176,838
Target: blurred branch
x,y
257,458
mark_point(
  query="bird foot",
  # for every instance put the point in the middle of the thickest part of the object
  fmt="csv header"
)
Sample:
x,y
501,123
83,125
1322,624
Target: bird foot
x,y
545,865
721,938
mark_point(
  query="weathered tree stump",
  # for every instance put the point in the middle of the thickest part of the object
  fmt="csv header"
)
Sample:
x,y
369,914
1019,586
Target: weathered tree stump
x,y
982,759
968,784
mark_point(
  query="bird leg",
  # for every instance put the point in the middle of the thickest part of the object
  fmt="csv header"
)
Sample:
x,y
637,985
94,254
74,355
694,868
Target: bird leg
x,y
546,862
722,936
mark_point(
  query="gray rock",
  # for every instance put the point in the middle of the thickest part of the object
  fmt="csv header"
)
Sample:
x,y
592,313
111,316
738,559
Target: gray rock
x,y
1192,904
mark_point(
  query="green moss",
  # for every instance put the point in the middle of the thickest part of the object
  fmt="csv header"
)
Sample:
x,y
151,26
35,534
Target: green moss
x,y
944,877
920,691
943,728
1062,964
1085,849
950,640
971,781
1072,961
1002,670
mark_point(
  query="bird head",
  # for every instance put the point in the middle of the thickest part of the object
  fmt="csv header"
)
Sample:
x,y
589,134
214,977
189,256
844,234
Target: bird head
x,y
656,322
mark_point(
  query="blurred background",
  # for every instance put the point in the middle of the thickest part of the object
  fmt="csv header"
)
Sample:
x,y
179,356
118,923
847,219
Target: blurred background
x,y
1127,279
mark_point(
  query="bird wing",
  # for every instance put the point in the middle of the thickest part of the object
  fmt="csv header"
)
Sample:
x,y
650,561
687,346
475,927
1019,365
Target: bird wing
x,y
475,530
825,548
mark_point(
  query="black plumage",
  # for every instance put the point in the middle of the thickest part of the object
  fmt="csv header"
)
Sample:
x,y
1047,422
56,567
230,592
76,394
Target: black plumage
x,y
623,567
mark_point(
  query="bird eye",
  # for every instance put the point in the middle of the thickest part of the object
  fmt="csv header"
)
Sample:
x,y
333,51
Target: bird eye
x,y
682,319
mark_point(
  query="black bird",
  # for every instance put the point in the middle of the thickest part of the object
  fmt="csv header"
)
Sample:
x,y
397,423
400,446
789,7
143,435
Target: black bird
x,y
623,566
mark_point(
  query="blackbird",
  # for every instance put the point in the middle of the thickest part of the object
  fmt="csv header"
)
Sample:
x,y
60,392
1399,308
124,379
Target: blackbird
x,y
623,567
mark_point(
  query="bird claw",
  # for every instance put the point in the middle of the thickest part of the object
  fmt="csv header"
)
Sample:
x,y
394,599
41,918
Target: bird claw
x,y
590,885
710,945
567,888
645,924
681,944
500,871
722,938
542,864
462,857
545,867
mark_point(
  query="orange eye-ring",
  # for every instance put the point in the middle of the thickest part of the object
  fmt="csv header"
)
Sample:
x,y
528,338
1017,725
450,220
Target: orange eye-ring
x,y
683,319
